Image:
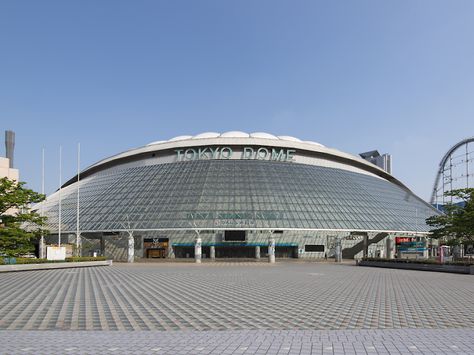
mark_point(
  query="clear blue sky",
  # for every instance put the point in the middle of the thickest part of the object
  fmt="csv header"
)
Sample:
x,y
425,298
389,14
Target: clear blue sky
x,y
397,76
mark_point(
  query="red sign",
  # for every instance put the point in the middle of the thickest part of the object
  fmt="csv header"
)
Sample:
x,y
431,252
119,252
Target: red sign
x,y
400,240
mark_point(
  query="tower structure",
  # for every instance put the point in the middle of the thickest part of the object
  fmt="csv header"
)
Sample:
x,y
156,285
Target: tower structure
x,y
10,146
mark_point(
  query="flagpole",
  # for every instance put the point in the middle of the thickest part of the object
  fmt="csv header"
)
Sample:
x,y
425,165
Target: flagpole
x,y
60,201
78,236
42,204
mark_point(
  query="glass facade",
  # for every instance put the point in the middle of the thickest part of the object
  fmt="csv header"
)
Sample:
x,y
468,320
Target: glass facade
x,y
243,194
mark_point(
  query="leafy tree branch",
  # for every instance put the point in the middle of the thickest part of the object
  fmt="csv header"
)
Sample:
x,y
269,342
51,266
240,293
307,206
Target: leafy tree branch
x,y
19,224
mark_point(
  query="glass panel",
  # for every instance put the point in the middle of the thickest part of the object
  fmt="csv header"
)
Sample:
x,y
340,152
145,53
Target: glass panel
x,y
238,193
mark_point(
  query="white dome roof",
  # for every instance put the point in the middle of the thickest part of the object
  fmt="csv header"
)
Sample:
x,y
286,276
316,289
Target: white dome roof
x,y
180,138
207,135
156,142
289,138
237,134
263,135
234,134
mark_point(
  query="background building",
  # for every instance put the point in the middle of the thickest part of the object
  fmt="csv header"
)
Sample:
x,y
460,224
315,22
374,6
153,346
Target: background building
x,y
6,163
234,192
6,171
382,161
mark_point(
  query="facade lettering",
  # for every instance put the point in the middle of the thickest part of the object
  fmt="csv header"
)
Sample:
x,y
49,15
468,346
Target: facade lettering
x,y
249,153
262,153
226,153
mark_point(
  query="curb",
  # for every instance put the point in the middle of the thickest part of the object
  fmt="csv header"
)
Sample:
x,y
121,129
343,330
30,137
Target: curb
x,y
49,266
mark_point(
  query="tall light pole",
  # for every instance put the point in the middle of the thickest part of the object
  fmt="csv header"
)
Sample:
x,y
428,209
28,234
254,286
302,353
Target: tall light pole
x,y
60,197
78,235
41,246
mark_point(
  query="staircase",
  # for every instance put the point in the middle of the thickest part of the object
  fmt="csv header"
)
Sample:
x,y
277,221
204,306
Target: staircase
x,y
349,253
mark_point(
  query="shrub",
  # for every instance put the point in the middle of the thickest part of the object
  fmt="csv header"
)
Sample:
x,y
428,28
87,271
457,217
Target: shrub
x,y
431,261
460,262
31,261
403,261
44,261
85,258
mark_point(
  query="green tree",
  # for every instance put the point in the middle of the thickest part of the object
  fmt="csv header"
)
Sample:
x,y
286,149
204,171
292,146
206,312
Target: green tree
x,y
19,224
456,225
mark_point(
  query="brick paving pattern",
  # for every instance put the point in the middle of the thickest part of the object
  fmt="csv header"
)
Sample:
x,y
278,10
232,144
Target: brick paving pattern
x,y
270,342
286,308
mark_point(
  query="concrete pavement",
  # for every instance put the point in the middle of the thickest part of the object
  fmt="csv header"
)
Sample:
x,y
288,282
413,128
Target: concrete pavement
x,y
219,304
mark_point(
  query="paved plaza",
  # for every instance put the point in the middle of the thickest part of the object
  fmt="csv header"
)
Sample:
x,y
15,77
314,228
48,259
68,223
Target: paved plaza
x,y
236,308
268,342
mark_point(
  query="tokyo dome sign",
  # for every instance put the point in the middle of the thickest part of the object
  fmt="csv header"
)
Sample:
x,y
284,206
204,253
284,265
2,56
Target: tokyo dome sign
x,y
257,153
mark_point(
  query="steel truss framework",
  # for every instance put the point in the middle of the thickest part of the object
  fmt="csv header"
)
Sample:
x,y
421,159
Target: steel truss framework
x,y
455,171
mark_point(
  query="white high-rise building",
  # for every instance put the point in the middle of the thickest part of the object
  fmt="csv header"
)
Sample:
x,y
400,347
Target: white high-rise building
x,y
6,171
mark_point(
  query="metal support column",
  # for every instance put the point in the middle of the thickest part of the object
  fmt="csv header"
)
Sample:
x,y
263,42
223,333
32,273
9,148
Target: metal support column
x,y
102,245
451,175
198,250
365,252
389,247
257,252
131,248
212,252
42,248
78,250
171,251
271,250
467,165
338,255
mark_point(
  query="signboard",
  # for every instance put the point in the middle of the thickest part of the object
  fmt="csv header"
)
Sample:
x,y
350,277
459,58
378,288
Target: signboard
x,y
409,245
354,237
235,219
156,247
252,153
234,236
402,240
56,253
156,242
